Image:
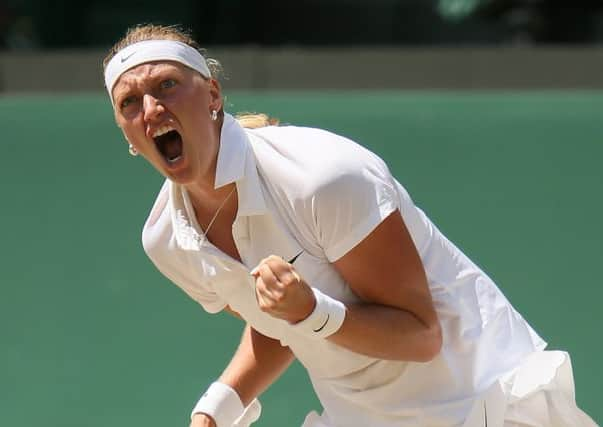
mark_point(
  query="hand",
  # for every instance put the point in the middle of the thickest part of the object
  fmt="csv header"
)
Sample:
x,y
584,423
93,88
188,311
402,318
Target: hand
x,y
202,420
281,292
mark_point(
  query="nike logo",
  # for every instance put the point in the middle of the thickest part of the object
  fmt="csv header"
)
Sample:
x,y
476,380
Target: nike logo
x,y
323,325
292,260
125,58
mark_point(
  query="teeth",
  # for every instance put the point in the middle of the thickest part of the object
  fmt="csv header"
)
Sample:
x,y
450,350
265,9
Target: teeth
x,y
174,160
162,130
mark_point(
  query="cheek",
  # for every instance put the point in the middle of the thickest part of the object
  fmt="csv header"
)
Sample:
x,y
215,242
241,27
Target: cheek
x,y
127,134
133,130
199,99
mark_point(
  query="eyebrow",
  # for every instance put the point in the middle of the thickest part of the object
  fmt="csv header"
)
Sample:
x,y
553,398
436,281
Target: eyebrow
x,y
154,73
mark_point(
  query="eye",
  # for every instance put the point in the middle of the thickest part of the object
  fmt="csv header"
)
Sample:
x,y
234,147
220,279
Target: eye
x,y
127,101
168,83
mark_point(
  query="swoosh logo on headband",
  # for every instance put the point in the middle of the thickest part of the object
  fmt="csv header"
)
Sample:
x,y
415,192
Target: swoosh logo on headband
x,y
125,58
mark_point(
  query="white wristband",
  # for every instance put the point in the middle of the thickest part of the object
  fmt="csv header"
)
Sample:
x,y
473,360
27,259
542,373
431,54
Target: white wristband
x,y
325,320
251,414
222,403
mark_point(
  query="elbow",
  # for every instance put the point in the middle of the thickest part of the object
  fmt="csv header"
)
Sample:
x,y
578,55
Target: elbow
x,y
432,344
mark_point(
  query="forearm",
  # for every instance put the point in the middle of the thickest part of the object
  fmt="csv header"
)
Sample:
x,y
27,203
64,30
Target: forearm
x,y
257,363
387,333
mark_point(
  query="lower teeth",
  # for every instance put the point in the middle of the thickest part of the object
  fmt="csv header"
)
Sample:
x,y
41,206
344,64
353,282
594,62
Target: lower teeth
x,y
174,160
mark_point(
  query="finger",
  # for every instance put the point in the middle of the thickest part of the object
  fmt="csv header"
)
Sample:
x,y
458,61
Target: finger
x,y
255,271
284,271
295,275
268,300
265,303
286,274
267,283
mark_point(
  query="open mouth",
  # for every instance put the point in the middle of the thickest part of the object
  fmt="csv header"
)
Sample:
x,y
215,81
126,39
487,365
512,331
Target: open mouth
x,y
170,146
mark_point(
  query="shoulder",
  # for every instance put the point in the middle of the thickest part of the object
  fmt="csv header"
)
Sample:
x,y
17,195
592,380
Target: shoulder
x,y
307,142
312,159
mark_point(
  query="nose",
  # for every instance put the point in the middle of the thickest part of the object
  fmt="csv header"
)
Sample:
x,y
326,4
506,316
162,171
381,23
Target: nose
x,y
152,107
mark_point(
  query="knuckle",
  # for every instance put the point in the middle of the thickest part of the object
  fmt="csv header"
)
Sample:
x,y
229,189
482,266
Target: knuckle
x,y
273,262
279,297
265,271
268,304
288,281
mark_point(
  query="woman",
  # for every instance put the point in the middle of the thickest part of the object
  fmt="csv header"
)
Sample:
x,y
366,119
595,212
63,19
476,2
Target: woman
x,y
307,237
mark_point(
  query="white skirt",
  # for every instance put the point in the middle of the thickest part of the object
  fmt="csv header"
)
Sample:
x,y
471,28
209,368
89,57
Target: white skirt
x,y
539,393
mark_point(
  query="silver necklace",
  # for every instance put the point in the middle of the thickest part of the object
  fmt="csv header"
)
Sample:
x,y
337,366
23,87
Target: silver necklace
x,y
216,214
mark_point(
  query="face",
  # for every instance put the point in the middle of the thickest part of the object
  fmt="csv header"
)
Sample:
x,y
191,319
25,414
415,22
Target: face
x,y
163,109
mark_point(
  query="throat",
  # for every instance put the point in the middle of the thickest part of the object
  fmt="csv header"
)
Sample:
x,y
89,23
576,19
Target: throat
x,y
216,221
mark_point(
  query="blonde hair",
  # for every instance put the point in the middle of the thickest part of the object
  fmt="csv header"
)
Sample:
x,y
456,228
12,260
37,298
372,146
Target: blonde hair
x,y
256,120
145,32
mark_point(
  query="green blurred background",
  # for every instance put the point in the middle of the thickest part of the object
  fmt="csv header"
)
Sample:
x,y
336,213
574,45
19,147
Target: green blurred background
x,y
92,335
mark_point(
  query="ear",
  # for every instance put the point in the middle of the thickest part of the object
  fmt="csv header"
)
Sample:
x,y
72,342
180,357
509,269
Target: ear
x,y
215,95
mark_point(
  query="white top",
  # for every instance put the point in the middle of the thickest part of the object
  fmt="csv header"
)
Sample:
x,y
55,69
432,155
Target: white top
x,y
302,188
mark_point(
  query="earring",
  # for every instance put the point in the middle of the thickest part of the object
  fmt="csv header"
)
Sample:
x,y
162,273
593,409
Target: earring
x,y
132,150
214,115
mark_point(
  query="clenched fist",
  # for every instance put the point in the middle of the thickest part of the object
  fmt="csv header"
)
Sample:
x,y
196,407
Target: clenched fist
x,y
281,292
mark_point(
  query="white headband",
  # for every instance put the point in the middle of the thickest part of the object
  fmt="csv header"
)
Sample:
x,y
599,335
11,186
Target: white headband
x,y
153,50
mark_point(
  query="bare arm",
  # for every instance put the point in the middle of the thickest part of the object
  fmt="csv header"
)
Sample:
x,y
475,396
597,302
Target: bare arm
x,y
256,364
396,319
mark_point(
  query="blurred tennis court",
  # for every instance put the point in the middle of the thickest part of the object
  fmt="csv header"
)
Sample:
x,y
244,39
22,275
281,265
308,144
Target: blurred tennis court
x,y
93,336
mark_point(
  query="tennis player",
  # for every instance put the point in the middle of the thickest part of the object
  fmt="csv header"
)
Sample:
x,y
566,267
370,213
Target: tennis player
x,y
308,238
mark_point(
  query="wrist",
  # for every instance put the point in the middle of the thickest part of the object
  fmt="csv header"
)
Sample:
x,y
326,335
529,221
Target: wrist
x,y
221,403
306,308
325,319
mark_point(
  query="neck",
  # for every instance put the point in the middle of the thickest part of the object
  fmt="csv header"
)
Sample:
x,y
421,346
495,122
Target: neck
x,y
207,194
204,191
202,186
207,200
204,197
